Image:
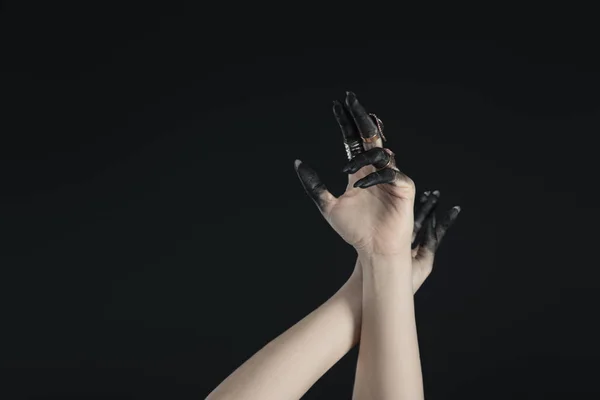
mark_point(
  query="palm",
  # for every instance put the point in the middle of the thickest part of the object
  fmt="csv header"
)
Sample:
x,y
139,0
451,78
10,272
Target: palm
x,y
372,218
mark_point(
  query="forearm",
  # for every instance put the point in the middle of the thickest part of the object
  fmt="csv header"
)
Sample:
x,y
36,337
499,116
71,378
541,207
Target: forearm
x,y
291,363
389,364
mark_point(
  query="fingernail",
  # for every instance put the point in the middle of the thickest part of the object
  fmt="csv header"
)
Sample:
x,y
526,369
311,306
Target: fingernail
x,y
297,163
426,193
457,208
351,97
345,169
436,193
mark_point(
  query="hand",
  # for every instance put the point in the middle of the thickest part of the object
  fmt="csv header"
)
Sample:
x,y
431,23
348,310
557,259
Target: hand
x,y
375,213
427,236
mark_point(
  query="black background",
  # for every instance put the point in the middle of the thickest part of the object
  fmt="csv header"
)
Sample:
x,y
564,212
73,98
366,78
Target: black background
x,y
155,236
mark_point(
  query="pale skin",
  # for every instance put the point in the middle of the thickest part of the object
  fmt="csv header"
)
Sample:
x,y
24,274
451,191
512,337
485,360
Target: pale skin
x,y
291,363
378,221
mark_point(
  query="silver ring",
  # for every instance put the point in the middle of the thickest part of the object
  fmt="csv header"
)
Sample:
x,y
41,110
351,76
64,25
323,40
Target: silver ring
x,y
353,149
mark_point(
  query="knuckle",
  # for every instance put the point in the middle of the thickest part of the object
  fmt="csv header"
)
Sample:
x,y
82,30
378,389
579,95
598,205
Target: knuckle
x,y
379,152
409,182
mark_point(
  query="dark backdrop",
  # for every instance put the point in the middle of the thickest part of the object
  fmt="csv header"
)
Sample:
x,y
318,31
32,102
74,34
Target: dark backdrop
x,y
154,233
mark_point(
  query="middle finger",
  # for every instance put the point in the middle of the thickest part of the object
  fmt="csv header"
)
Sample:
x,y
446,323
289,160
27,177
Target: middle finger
x,y
368,129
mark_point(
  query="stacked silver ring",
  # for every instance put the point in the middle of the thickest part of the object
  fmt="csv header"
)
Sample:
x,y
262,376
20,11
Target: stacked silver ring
x,y
353,149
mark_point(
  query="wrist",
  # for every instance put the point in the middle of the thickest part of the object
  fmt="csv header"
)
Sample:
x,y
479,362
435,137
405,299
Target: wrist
x,y
385,276
386,267
400,256
375,260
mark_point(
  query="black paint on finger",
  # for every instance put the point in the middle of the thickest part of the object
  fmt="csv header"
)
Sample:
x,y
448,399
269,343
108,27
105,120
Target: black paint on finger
x,y
378,122
386,175
346,123
419,215
363,120
430,242
377,157
442,227
427,208
311,183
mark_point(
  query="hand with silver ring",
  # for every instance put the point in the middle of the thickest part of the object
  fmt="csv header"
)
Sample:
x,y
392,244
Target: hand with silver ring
x,y
376,210
427,231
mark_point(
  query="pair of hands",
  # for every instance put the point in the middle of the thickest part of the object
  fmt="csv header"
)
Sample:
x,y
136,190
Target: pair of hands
x,y
375,213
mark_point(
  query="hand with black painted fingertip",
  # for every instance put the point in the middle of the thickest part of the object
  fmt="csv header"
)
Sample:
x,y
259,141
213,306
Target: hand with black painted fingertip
x,y
423,251
371,219
427,236
377,206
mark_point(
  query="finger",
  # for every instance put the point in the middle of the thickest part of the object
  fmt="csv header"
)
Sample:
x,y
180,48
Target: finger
x,y
313,186
366,126
433,234
446,223
353,143
429,240
428,243
426,208
416,238
386,175
377,157
352,140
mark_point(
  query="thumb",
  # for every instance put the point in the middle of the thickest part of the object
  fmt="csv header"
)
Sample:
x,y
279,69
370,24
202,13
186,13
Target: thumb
x,y
314,187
